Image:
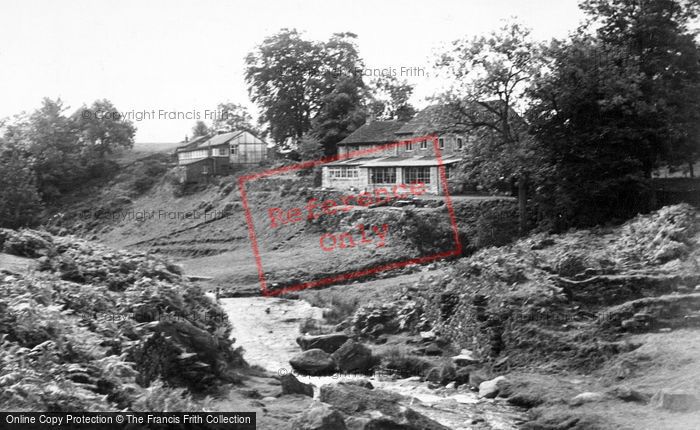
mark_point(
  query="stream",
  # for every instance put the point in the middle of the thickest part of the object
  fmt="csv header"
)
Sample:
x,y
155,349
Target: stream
x,y
267,329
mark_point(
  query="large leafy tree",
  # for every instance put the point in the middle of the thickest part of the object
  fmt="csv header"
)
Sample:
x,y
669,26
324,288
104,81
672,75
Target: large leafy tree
x,y
101,130
586,116
655,35
341,113
490,76
289,78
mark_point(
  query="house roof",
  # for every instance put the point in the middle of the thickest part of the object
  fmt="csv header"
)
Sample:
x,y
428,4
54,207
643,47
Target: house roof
x,y
447,117
209,141
374,132
433,119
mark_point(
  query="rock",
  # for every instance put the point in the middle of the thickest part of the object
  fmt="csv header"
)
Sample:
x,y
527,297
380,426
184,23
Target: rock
x,y
465,358
525,400
405,419
353,357
319,417
587,397
677,401
27,243
428,336
476,378
490,389
351,399
313,362
628,394
375,409
360,383
291,385
326,342
462,376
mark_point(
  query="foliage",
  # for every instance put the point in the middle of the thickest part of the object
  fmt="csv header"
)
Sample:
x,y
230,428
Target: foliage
x,y
20,204
66,151
340,114
101,129
289,77
233,116
389,99
200,129
655,37
75,332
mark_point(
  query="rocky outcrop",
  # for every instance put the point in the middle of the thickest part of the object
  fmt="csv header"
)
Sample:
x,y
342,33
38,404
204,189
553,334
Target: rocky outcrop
x,y
314,362
489,389
353,357
326,342
291,385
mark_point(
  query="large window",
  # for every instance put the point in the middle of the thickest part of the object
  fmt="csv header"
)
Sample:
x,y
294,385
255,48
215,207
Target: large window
x,y
382,175
223,151
343,172
415,175
191,155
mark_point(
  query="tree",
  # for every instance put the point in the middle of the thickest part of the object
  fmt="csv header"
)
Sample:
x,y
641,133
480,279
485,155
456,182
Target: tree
x,y
232,116
289,77
586,114
200,129
20,204
341,113
490,76
310,148
655,35
389,99
102,130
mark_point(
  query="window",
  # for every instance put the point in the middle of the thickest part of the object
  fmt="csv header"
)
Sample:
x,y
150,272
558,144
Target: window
x,y
223,151
415,175
409,145
234,149
382,175
191,155
423,144
441,143
343,172
460,143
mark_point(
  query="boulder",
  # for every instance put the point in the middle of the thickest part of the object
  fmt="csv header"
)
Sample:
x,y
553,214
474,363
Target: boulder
x,y
677,401
319,417
313,362
489,389
326,342
404,419
353,357
587,397
465,358
27,243
291,385
375,409
628,394
351,399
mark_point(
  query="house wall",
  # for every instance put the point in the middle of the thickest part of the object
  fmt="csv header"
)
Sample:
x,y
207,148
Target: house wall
x,y
344,149
450,147
343,183
247,149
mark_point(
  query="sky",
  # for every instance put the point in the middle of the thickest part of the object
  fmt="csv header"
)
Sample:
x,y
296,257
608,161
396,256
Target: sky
x,y
180,58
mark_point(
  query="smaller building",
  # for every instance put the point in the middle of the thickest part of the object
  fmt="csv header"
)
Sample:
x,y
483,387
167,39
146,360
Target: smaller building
x,y
219,154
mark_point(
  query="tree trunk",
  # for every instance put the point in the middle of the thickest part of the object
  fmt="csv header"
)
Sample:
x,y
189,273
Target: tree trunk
x,y
522,205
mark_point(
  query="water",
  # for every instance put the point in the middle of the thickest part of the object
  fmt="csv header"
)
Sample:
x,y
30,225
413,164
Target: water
x,y
267,329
